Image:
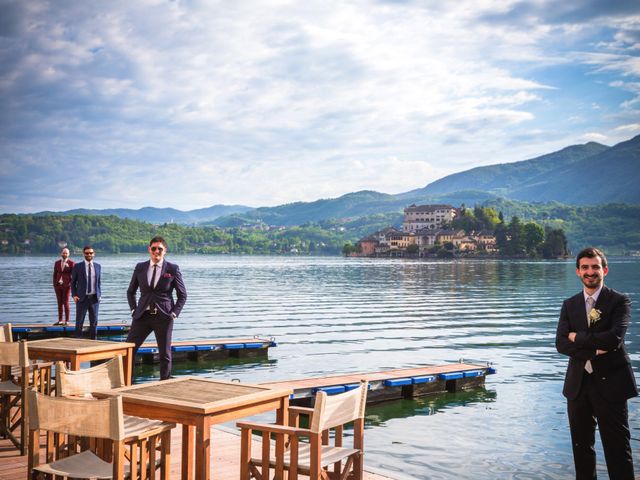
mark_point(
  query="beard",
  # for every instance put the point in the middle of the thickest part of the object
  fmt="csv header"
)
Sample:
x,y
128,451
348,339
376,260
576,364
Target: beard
x,y
591,281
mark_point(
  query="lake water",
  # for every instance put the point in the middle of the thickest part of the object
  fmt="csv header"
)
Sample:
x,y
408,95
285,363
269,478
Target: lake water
x,y
336,315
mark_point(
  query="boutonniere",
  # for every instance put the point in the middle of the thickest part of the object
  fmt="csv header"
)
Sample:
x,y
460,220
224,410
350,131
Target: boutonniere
x,y
168,275
594,316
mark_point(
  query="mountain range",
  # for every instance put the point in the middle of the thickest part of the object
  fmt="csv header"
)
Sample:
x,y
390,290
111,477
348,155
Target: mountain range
x,y
588,174
160,215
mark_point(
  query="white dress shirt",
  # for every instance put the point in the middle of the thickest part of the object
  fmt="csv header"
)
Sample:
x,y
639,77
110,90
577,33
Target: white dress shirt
x,y
595,296
150,273
91,282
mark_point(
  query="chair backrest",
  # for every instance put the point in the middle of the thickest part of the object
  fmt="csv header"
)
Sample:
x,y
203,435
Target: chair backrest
x,y
14,353
331,411
80,417
105,376
6,334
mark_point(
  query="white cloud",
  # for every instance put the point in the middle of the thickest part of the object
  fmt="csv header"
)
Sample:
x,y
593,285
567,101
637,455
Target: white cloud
x,y
594,137
265,102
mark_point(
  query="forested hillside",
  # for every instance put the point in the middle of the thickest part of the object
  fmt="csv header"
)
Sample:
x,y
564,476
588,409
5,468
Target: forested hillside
x,y
615,227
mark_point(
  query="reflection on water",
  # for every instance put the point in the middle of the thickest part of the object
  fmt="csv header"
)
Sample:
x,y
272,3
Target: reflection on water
x,y
378,414
207,368
336,315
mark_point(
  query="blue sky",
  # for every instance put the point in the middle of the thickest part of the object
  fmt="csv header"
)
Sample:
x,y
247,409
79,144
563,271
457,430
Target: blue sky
x,y
188,104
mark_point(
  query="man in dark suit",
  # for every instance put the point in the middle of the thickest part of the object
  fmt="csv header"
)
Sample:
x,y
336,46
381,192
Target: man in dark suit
x,y
62,284
156,309
599,378
85,289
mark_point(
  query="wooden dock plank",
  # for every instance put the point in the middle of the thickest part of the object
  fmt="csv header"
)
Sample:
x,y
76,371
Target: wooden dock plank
x,y
225,458
316,382
214,341
38,331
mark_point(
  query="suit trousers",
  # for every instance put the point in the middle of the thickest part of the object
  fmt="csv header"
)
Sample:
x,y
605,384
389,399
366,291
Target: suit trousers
x,y
162,327
62,295
612,419
88,304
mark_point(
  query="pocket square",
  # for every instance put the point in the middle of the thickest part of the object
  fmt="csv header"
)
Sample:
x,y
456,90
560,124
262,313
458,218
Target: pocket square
x,y
166,275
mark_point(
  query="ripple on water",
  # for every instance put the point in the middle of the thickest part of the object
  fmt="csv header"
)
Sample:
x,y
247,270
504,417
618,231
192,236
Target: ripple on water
x,y
336,315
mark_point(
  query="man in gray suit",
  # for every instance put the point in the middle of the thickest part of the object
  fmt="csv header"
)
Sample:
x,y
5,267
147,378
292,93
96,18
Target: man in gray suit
x,y
85,289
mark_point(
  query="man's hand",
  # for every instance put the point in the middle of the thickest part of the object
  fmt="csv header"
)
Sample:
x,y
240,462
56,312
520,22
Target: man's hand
x,y
76,298
572,338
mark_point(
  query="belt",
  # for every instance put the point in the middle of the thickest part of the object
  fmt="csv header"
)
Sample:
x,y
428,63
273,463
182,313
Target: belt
x,y
152,311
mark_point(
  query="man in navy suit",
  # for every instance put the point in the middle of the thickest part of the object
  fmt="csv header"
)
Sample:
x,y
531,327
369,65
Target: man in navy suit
x,y
85,289
156,309
599,378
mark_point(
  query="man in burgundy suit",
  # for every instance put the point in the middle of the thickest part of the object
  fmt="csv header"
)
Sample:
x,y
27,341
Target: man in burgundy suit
x,y
62,284
156,309
599,378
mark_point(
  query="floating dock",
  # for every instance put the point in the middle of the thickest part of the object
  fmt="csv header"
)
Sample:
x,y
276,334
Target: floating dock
x,y
213,349
208,349
392,384
39,331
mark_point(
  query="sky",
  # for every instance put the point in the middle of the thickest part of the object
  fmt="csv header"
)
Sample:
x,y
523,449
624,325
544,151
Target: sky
x,y
189,104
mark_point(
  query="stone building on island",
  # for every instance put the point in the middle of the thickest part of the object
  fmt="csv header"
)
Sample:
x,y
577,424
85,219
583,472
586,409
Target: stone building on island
x,y
423,232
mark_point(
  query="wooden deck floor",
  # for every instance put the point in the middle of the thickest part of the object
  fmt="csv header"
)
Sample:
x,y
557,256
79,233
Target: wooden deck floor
x,y
224,460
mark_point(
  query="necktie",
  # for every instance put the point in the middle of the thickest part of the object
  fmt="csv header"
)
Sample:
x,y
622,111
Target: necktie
x,y
153,276
590,303
89,280
152,305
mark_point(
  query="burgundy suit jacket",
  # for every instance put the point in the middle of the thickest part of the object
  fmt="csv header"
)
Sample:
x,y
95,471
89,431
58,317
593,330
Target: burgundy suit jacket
x,y
65,274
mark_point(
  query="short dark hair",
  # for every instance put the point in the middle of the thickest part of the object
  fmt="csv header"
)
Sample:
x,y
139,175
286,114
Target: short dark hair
x,y
159,239
591,252
87,247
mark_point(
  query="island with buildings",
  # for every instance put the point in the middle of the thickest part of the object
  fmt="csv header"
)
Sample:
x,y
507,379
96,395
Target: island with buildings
x,y
447,231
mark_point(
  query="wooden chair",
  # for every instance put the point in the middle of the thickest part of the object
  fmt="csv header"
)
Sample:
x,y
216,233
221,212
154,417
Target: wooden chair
x,y
6,335
143,437
17,374
312,458
85,438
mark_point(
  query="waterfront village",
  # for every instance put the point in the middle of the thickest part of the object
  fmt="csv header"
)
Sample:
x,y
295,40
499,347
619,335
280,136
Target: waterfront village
x,y
425,233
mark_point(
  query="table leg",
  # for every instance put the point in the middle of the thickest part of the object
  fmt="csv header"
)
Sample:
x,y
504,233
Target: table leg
x,y
203,448
187,451
282,418
75,363
282,414
127,362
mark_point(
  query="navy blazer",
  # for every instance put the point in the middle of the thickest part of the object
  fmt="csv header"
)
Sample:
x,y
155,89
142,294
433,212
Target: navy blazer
x,y
79,280
611,371
162,295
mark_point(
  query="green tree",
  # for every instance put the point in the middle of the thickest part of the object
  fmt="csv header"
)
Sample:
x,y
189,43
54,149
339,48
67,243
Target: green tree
x,y
502,240
486,217
533,237
515,231
555,244
413,248
348,249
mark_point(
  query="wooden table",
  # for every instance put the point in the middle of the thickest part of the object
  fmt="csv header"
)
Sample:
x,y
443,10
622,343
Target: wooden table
x,y
197,403
78,350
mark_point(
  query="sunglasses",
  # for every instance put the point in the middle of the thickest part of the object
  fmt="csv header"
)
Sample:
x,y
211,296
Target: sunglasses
x,y
160,249
89,253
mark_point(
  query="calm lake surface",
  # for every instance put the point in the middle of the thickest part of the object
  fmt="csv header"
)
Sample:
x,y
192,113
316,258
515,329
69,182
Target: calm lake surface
x,y
336,315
